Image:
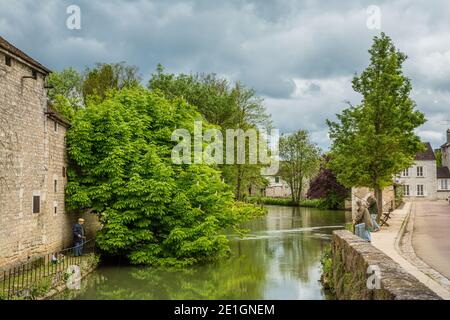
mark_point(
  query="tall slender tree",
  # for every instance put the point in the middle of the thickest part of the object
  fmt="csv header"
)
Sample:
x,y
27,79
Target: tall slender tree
x,y
300,161
373,141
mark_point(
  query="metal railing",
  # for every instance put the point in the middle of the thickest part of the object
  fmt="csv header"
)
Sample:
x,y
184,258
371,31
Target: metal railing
x,y
21,281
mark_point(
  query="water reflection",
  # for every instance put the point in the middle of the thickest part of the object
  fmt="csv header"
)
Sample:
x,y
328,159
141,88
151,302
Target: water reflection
x,y
278,259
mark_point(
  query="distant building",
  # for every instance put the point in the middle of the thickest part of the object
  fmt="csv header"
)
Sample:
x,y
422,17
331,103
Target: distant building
x,y
278,188
420,180
424,180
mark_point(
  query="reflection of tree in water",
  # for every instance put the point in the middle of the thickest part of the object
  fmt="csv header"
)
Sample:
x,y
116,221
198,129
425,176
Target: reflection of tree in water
x,y
255,263
303,252
235,278
297,255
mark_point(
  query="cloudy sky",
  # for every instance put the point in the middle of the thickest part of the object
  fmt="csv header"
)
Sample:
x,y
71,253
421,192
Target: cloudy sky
x,y
299,55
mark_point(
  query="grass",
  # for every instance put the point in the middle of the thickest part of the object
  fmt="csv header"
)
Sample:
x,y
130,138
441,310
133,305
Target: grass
x,y
310,203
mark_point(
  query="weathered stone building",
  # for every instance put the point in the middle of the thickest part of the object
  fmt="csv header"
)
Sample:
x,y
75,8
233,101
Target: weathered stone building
x,y
32,162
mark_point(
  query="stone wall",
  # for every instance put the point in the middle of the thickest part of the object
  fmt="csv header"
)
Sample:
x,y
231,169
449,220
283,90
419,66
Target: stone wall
x,y
32,163
351,258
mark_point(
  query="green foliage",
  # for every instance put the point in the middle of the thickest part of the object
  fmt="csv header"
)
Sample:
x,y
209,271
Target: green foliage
x,y
65,93
375,140
399,194
104,77
221,103
153,211
438,154
308,203
350,227
332,201
300,161
327,269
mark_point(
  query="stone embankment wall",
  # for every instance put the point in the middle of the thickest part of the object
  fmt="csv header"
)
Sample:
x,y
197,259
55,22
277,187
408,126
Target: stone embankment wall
x,y
355,262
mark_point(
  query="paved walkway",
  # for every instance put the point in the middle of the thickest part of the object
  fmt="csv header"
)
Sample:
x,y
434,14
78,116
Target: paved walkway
x,y
431,236
389,241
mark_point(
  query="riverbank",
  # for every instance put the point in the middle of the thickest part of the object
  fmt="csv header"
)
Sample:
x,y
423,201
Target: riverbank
x,y
395,242
360,271
306,203
278,259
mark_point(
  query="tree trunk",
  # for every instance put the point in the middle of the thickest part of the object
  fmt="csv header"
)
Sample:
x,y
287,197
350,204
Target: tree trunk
x,y
379,198
238,184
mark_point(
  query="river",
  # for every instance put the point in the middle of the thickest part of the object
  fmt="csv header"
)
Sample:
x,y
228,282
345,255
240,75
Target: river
x,y
278,259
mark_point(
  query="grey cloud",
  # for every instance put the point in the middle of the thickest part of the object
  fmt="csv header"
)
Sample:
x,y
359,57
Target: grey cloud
x,y
264,44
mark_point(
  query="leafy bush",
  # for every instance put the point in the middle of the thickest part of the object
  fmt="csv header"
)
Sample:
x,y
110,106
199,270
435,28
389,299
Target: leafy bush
x,y
152,211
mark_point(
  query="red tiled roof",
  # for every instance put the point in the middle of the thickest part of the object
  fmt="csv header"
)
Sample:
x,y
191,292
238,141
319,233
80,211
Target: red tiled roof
x,y
20,54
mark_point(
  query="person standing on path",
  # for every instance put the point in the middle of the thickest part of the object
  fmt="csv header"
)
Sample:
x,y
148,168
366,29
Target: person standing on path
x,y
363,221
373,210
78,237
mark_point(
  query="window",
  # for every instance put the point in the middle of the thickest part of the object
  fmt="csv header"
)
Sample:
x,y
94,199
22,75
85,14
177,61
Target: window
x,y
34,74
64,172
277,179
406,190
55,185
8,61
420,190
55,207
420,171
405,173
56,127
36,204
444,184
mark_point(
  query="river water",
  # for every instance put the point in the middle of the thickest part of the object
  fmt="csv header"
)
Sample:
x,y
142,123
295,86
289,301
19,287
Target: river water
x,y
278,259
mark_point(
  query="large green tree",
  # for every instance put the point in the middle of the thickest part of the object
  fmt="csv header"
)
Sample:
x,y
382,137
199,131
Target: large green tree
x,y
153,211
230,106
373,141
300,161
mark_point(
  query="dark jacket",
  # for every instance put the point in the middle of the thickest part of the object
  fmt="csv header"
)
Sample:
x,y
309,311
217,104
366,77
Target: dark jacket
x,y
78,232
373,206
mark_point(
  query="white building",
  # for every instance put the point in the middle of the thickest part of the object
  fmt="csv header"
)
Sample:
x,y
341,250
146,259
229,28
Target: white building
x,y
276,188
424,180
